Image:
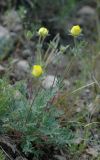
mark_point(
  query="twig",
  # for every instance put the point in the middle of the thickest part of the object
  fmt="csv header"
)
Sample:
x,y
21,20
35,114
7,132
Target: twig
x,y
83,87
6,153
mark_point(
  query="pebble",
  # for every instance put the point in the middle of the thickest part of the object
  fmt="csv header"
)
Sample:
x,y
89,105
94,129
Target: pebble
x,y
49,81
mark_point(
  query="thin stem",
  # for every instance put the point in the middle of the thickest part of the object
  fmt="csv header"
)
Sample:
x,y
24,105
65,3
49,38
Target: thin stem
x,y
76,49
52,87
50,47
89,124
32,102
79,89
6,153
67,70
55,41
90,84
39,50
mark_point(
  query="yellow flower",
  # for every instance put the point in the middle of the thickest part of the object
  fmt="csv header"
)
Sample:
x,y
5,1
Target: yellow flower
x,y
43,32
75,31
37,71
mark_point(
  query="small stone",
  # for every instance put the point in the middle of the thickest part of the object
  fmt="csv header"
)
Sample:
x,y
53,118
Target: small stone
x,y
49,81
4,33
92,151
86,18
78,110
21,69
87,91
20,158
13,21
87,10
67,84
26,53
6,42
59,157
23,66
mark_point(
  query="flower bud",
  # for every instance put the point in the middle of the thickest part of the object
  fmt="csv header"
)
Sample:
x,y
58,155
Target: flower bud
x,y
75,31
37,71
43,32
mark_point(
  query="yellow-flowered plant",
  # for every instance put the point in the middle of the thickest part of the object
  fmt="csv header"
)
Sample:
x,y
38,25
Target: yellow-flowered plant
x,y
75,31
37,71
43,32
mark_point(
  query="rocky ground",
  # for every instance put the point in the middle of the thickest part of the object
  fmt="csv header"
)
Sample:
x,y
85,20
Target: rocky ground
x,y
17,55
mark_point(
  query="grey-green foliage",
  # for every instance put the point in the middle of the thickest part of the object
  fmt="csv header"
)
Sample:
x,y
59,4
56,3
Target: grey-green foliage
x,y
6,93
2,157
38,123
